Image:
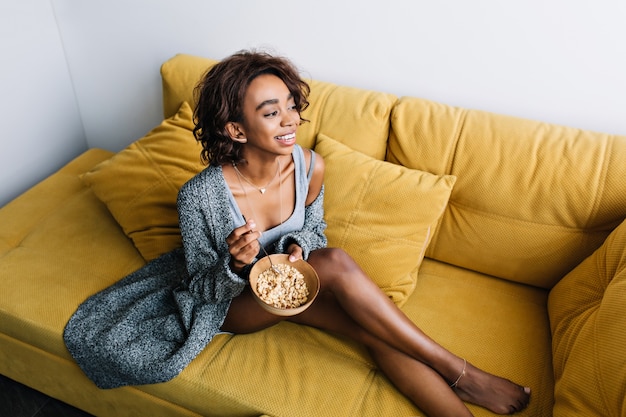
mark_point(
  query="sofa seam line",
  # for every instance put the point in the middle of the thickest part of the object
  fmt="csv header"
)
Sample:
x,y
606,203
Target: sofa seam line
x,y
601,186
459,132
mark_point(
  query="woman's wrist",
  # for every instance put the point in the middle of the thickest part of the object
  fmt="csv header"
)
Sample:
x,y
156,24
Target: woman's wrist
x,y
239,268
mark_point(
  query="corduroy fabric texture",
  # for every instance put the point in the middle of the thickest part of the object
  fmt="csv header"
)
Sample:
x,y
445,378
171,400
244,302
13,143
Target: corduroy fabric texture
x,y
587,312
532,199
361,192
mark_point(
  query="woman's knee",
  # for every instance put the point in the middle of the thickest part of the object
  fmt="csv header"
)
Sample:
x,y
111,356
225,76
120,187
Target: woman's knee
x,y
333,258
333,265
333,255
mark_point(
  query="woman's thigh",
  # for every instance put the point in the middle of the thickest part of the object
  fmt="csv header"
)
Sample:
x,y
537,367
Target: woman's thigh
x,y
245,315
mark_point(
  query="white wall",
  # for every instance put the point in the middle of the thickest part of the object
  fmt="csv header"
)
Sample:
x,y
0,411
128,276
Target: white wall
x,y
40,127
559,61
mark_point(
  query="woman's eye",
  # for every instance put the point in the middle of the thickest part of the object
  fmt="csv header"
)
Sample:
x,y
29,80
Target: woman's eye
x,y
272,114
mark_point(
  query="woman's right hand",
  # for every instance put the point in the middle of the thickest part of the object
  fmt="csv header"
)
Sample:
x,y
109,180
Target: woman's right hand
x,y
243,245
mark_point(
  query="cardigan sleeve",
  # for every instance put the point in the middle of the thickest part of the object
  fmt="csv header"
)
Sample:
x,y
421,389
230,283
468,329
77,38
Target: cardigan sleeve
x,y
311,236
204,225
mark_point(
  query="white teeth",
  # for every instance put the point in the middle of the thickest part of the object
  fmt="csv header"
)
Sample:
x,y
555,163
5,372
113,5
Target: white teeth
x,y
286,137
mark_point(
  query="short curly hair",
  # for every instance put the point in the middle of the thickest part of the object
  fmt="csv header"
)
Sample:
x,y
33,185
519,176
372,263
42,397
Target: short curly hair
x,y
220,95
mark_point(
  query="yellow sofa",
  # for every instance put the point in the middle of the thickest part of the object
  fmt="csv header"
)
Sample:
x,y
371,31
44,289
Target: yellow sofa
x,y
502,238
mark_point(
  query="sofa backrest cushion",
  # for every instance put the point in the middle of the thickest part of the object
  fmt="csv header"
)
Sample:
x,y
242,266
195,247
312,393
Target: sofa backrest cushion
x,y
587,311
531,201
359,116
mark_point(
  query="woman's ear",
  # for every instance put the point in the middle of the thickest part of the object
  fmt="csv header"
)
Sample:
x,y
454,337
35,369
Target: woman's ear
x,y
236,133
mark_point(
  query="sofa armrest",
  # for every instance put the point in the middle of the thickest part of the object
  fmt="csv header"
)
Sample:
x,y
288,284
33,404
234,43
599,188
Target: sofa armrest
x,y
588,316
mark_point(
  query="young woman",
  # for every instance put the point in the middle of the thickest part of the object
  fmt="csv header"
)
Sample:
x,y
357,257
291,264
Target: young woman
x,y
260,188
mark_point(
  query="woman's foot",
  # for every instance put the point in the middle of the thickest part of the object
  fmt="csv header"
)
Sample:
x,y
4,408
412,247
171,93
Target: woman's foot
x,y
497,394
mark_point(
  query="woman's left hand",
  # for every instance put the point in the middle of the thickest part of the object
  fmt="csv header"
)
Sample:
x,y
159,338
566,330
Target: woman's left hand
x,y
295,252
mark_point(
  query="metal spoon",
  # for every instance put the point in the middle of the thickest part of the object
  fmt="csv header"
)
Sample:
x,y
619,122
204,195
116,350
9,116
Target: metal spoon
x,y
274,268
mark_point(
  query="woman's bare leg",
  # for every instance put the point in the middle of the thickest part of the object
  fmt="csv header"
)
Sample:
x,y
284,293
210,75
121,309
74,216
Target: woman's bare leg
x,y
417,381
367,305
402,351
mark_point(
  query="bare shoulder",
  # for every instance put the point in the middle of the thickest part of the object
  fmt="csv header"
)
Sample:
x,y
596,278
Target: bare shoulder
x,y
317,179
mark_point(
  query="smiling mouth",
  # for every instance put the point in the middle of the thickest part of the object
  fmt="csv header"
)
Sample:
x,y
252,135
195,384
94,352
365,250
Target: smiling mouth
x,y
286,138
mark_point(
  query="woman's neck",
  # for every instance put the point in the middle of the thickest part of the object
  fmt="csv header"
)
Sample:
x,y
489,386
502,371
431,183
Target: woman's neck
x,y
260,170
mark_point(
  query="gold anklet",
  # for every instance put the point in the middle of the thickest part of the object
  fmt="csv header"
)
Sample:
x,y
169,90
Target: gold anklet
x,y
455,383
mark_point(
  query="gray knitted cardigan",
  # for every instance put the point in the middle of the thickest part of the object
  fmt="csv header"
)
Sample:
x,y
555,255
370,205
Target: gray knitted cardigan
x,y
149,326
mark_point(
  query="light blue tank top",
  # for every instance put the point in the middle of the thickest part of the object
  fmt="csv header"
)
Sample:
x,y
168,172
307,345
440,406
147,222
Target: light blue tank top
x,y
296,220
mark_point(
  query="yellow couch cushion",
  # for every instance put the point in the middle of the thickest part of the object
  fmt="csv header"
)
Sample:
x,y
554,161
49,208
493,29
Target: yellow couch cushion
x,y
62,245
587,310
140,184
179,77
532,199
498,325
285,370
381,214
360,116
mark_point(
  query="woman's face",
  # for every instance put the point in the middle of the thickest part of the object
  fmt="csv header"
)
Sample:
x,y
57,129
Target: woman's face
x,y
270,115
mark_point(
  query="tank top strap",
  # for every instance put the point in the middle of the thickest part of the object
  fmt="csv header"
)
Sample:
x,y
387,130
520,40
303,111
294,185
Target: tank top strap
x,y
309,174
301,175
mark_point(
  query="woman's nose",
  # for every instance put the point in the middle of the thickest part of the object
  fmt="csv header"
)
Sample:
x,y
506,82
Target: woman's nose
x,y
290,118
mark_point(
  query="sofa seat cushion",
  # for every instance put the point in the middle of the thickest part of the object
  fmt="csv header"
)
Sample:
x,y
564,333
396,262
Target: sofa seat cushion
x,y
59,245
286,370
382,214
587,310
497,325
291,369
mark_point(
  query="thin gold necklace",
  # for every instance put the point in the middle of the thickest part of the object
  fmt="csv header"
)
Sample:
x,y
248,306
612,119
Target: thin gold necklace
x,y
280,193
262,190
